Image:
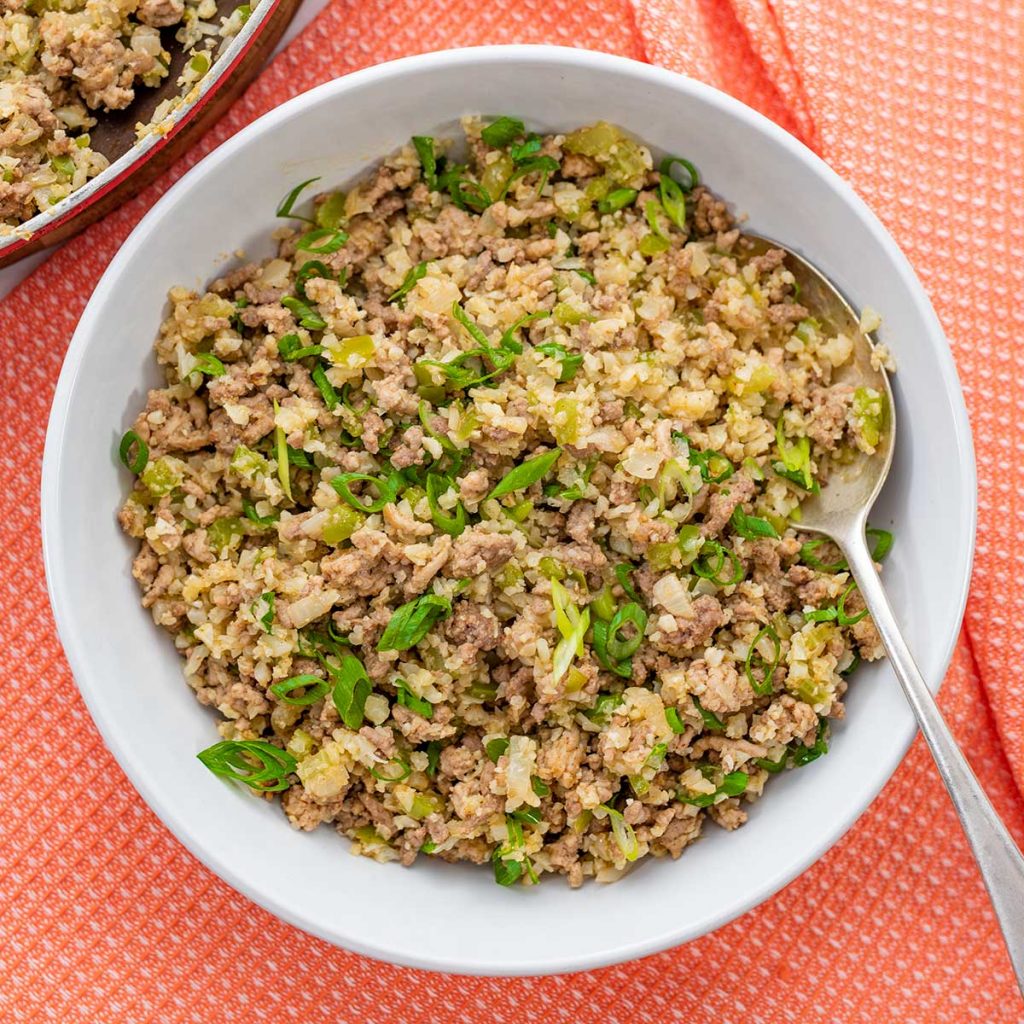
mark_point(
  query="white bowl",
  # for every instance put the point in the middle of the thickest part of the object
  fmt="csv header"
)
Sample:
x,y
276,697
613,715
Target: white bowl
x,y
439,916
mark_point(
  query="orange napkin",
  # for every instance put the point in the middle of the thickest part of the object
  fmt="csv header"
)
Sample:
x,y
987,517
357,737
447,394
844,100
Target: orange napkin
x,y
104,917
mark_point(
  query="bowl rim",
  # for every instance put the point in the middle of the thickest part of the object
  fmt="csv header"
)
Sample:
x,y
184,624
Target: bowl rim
x,y
33,230
570,59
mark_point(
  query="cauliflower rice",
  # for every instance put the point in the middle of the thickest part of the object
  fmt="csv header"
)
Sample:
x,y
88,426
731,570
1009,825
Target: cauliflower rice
x,y
474,512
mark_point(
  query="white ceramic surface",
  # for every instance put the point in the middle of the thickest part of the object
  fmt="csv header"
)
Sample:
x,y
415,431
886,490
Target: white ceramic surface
x,y
454,918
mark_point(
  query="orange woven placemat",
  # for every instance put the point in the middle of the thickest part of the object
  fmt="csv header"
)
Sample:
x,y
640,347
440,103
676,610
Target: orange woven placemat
x,y
104,917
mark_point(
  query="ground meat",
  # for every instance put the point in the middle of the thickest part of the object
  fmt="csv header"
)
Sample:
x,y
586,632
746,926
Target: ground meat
x,y
690,633
477,627
735,491
829,410
474,486
410,452
785,720
478,550
580,522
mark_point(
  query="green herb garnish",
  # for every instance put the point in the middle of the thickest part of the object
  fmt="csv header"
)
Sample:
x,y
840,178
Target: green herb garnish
x,y
386,487
526,473
751,527
260,765
498,134
417,273
351,688
133,452
570,361
284,208
759,670
410,623
409,700
314,688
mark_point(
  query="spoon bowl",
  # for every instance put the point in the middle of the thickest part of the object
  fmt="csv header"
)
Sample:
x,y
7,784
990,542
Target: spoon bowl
x,y
852,487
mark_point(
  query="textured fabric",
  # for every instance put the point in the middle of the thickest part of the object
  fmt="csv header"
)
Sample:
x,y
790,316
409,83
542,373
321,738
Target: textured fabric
x,y
104,917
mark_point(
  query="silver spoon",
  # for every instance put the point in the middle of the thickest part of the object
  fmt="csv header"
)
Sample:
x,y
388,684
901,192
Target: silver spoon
x,y
840,512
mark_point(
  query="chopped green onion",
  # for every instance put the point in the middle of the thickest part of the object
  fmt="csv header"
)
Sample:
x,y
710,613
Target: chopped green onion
x,y
410,623
620,649
756,662
821,615
673,202
417,273
495,748
311,268
808,557
209,364
603,707
523,150
795,464
852,666
600,645
314,687
623,832
506,872
133,452
733,784
433,757
841,617
424,146
351,688
675,721
387,490
710,565
233,759
307,316
509,341
802,755
711,721
689,542
409,700
668,165
572,624
452,524
404,771
281,446
543,165
284,208
714,467
519,512
883,545
526,473
539,786
250,513
617,199
298,457
529,815
289,348
469,194
623,571
498,134
324,386
267,618
587,276
570,361
651,213
751,527
331,239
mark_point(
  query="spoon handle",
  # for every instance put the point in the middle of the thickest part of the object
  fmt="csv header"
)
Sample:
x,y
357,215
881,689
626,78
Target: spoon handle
x,y
1001,863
